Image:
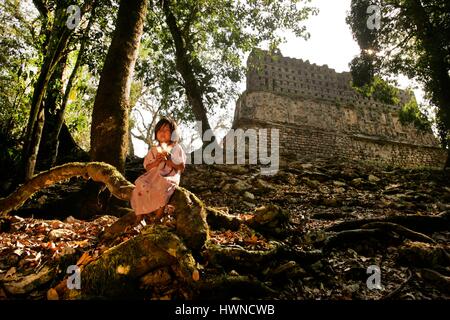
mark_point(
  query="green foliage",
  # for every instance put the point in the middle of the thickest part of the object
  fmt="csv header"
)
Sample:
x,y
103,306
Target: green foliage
x,y
380,90
410,113
79,109
217,35
24,34
362,70
19,59
413,40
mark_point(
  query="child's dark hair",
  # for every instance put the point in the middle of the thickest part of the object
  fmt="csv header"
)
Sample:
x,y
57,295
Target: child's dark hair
x,y
174,137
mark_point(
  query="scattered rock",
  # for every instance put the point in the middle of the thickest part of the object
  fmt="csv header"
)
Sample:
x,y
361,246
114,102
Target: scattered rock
x,y
373,178
339,183
313,184
288,270
300,165
357,182
249,195
61,234
226,187
352,287
241,186
263,185
25,284
317,266
52,294
249,204
285,178
70,219
339,190
331,202
307,166
234,169
321,177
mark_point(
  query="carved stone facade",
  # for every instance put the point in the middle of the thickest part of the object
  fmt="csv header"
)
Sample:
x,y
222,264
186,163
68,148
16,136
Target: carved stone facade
x,y
319,115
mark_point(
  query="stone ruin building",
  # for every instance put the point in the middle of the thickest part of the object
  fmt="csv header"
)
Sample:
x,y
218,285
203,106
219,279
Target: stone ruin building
x,y
319,115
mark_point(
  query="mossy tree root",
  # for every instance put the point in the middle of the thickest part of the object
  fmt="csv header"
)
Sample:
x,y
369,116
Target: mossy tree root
x,y
241,259
227,287
270,220
97,171
424,224
116,273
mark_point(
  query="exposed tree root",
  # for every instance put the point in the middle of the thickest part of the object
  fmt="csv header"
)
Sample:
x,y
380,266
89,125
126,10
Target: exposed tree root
x,y
238,258
360,237
118,270
97,171
421,254
270,220
435,278
219,219
226,287
393,294
425,224
407,233
190,220
190,216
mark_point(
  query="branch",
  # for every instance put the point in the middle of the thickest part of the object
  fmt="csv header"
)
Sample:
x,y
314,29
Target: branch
x,y
98,171
139,137
188,22
41,7
150,126
142,117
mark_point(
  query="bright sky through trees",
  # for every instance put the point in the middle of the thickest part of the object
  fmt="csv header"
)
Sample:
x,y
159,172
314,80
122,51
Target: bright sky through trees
x,y
331,44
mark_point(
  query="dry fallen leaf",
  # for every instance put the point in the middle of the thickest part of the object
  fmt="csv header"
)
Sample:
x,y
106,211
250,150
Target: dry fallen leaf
x,y
123,269
10,272
52,294
84,259
196,275
2,294
252,240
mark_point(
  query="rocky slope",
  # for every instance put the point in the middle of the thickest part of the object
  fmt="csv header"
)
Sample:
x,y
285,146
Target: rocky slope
x,y
319,199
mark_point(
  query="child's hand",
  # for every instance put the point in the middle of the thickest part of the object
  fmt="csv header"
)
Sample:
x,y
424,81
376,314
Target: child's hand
x,y
165,154
161,156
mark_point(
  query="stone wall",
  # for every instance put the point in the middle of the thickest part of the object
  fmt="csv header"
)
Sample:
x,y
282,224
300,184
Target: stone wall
x,y
320,115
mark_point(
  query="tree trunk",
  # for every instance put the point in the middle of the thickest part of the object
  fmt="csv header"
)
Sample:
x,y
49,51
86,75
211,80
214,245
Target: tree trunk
x,y
31,140
68,149
52,104
54,116
130,144
33,147
447,163
59,38
109,128
438,64
184,67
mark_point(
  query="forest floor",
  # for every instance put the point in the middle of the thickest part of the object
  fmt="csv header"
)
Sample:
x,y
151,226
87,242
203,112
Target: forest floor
x,y
316,196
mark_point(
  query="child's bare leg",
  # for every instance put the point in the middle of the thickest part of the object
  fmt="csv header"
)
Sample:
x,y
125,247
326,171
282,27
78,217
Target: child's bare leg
x,y
128,220
160,212
170,209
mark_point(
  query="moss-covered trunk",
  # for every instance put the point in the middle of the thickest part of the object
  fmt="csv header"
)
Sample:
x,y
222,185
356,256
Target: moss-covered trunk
x,y
118,271
109,129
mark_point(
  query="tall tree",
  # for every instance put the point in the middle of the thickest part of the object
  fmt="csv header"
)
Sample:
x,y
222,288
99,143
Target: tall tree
x,y
409,37
184,65
109,127
195,49
57,39
55,105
